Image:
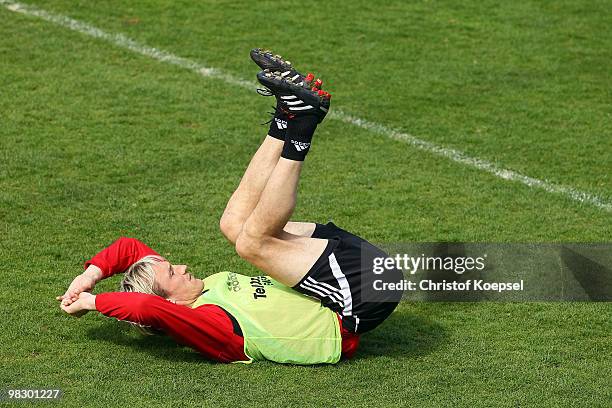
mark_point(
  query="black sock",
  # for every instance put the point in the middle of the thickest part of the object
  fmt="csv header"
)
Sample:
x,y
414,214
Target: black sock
x,y
299,136
278,126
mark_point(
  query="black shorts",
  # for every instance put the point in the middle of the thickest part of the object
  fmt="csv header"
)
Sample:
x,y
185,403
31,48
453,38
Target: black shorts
x,y
342,275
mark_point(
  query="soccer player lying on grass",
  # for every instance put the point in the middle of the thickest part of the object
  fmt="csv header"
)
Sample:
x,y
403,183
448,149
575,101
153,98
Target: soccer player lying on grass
x,y
309,307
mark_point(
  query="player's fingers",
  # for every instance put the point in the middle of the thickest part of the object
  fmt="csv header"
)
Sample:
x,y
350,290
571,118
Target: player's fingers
x,y
68,295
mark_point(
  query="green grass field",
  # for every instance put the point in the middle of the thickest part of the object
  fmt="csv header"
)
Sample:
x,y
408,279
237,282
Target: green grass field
x,y
97,141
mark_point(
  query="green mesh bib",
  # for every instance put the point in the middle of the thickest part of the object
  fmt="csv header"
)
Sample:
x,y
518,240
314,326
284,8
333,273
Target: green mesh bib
x,y
278,323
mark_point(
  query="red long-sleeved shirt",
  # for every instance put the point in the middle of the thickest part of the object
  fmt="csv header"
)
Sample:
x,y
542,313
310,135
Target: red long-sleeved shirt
x,y
208,328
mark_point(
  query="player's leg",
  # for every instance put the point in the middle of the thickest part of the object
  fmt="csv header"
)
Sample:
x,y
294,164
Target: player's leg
x,y
263,240
332,265
327,262
246,196
301,229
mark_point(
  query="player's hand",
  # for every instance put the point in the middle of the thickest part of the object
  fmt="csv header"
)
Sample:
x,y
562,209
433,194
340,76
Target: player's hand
x,y
82,283
83,304
85,282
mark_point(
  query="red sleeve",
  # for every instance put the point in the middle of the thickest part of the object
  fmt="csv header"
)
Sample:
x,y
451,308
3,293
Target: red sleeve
x,y
207,328
120,255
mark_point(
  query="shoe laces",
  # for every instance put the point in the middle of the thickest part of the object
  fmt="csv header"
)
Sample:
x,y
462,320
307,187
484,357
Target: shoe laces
x,y
276,109
265,92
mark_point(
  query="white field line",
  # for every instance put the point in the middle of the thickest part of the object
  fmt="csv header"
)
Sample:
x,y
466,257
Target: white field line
x,y
432,148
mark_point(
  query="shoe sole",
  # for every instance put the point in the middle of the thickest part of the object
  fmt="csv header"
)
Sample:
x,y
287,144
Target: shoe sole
x,y
292,91
265,59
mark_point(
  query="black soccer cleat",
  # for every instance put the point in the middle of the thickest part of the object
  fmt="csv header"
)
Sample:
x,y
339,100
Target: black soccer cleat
x,y
265,59
298,95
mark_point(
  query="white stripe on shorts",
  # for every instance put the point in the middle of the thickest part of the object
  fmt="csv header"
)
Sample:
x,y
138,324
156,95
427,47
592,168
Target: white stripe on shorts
x,y
322,286
343,283
319,291
330,287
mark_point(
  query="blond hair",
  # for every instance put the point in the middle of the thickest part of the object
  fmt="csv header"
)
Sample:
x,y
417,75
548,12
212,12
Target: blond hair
x,y
140,277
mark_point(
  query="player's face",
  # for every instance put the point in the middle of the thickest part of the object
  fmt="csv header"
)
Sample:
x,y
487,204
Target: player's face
x,y
177,284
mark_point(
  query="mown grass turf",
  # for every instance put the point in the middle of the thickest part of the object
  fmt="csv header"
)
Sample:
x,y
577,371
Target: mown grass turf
x,y
97,142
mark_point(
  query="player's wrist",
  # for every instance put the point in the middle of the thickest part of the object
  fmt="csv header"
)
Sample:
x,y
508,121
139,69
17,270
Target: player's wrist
x,y
87,301
94,273
90,303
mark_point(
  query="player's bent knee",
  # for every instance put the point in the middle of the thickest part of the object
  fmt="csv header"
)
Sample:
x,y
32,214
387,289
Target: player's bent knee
x,y
248,246
229,228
